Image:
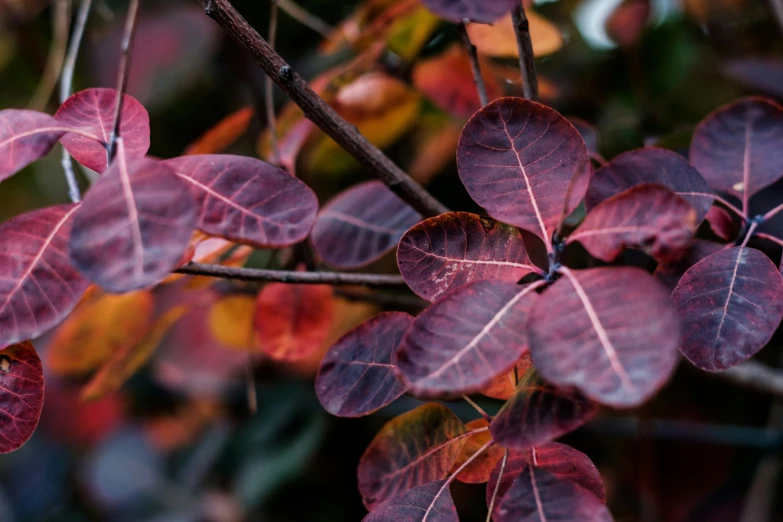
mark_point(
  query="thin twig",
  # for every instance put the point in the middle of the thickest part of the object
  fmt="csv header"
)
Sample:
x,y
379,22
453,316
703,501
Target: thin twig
x,y
755,376
315,109
66,86
269,100
497,486
61,15
470,49
122,73
527,60
478,408
291,277
772,212
306,18
769,237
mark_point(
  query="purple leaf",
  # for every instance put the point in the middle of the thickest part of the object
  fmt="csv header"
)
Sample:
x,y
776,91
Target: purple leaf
x,y
517,159
247,200
737,147
465,339
588,133
356,376
721,223
651,165
361,224
134,225
38,285
611,332
486,11
426,503
647,217
21,395
669,274
453,249
92,111
25,136
731,303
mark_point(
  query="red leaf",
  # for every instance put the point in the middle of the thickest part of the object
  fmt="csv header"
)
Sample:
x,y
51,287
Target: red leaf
x,y
669,274
356,376
730,303
426,503
293,321
478,471
648,217
737,147
517,159
539,413
410,450
537,494
21,395
360,225
721,223
247,200
133,226
453,249
25,136
465,339
486,11
92,111
651,165
38,285
611,332
558,459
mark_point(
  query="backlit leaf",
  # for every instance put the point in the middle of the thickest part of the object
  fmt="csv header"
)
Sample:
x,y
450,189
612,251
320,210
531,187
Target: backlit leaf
x,y
38,285
447,79
126,361
737,147
486,11
504,386
224,134
721,223
247,200
730,303
558,459
360,225
426,503
453,249
231,319
292,321
647,217
133,226
100,327
465,339
92,110
612,333
517,158
410,450
25,136
477,472
651,165
499,39
21,394
356,376
538,413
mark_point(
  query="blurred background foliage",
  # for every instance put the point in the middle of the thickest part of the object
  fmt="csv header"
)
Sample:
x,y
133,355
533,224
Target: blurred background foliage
x,y
177,442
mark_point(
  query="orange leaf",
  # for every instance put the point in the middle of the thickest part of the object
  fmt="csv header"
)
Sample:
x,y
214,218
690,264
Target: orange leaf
x,y
124,363
479,470
499,40
293,321
99,327
231,321
224,134
505,386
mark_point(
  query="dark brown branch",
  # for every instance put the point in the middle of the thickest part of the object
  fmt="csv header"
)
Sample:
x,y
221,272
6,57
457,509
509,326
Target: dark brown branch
x,y
122,73
755,376
291,277
315,109
470,49
527,60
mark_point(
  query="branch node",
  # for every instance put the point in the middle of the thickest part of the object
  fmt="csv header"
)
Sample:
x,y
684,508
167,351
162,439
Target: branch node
x,y
286,73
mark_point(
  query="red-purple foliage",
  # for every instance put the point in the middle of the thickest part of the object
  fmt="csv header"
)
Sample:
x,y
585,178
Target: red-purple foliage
x,y
21,394
486,11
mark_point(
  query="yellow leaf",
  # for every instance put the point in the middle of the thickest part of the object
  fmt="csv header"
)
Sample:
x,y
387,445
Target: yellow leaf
x,y
231,321
499,40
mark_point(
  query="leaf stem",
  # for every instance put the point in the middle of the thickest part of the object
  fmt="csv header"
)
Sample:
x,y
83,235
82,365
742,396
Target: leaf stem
x,y
497,486
66,86
122,74
527,60
772,212
291,277
269,100
753,225
306,18
320,113
728,205
478,408
770,237
470,49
